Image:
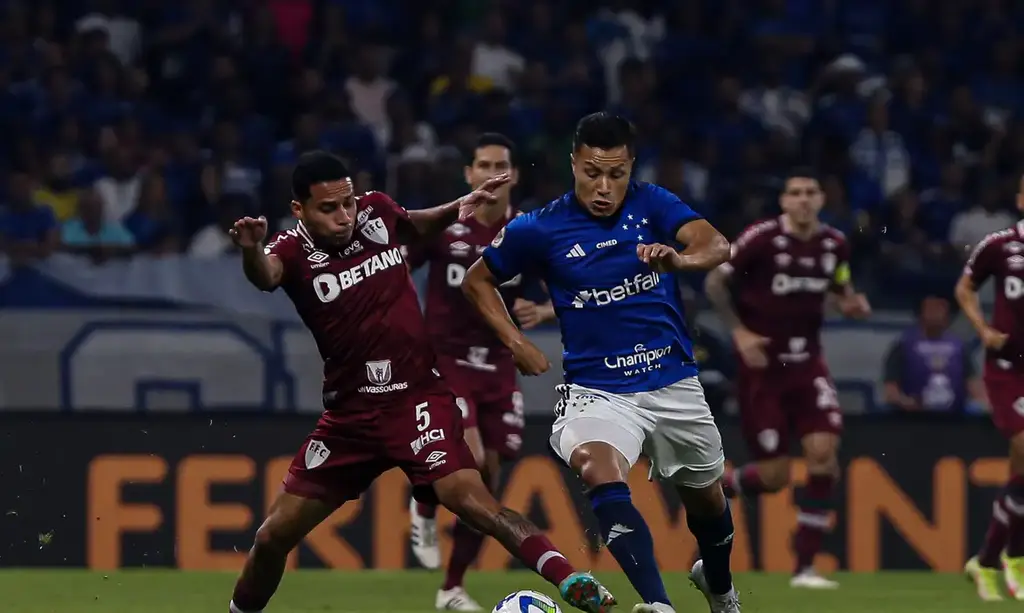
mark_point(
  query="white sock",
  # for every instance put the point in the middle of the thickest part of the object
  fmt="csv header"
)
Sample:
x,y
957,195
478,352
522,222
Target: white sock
x,y
234,609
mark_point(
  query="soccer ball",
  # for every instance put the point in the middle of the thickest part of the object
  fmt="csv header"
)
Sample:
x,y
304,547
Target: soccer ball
x,y
526,601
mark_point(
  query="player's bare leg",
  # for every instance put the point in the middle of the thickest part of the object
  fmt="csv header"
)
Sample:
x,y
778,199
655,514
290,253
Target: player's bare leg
x,y
756,478
816,504
465,494
466,542
604,471
423,529
709,519
290,519
1003,547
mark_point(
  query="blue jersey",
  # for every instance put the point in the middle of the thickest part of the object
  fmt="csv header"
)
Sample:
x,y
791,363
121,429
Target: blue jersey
x,y
623,325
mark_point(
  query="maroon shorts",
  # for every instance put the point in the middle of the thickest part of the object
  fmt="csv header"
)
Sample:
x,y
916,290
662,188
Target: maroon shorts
x,y
490,401
1006,394
422,433
777,400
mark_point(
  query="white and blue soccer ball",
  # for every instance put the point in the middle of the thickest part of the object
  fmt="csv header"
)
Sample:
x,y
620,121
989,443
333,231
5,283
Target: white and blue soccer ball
x,y
526,601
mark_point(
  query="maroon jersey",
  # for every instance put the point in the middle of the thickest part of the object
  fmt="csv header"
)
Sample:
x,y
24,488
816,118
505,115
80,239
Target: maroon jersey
x,y
1001,255
780,283
456,328
360,305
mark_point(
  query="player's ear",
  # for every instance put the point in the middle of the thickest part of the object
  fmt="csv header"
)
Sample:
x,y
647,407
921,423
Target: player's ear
x,y
513,177
467,174
296,209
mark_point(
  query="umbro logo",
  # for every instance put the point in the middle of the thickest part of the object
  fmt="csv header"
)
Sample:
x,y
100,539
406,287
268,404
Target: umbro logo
x,y
576,252
317,256
435,456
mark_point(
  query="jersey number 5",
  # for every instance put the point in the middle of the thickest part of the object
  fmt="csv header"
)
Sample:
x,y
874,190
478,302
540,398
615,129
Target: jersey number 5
x,y
422,417
828,398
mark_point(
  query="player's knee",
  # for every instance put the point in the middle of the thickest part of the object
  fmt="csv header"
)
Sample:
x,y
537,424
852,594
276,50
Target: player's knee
x,y
275,536
775,474
598,463
707,501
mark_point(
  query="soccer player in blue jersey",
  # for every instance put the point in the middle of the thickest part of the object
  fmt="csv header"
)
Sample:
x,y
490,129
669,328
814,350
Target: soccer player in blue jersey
x,y
607,251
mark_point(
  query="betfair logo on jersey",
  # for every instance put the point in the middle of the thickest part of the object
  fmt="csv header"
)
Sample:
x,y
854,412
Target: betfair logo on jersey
x,y
785,284
629,287
328,286
642,360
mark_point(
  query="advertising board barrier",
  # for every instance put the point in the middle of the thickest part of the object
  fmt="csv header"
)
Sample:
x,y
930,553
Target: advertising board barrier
x,y
189,491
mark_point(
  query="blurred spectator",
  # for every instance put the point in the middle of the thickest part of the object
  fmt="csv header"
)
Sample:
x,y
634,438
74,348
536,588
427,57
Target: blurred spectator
x,y
89,233
492,58
123,34
151,223
880,152
987,216
119,189
28,232
226,173
212,240
777,106
929,368
369,89
58,191
941,204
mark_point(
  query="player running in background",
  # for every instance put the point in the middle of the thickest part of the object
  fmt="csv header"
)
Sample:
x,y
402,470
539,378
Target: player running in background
x,y
472,360
385,405
772,296
1000,255
607,251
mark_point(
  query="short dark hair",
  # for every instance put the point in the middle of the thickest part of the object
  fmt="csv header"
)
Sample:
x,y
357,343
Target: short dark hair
x,y
494,139
316,167
800,172
604,130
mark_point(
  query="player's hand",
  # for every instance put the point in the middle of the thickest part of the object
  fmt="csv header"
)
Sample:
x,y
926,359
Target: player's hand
x,y
751,347
249,232
530,360
661,258
529,314
993,339
855,306
481,195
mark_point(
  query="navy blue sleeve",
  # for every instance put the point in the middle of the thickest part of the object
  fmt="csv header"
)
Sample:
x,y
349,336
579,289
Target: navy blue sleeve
x,y
516,250
669,213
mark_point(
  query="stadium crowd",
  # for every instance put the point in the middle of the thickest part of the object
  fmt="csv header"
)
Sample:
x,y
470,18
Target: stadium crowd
x,y
147,126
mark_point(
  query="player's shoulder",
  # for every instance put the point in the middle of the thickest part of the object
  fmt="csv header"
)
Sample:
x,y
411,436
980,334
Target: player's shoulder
x,y
759,230
289,240
371,199
653,192
999,238
832,237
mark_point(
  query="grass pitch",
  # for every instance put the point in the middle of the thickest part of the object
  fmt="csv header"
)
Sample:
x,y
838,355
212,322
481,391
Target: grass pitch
x,y
314,591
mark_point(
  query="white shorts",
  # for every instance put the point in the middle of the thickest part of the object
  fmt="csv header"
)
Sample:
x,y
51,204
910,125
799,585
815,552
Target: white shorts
x,y
672,426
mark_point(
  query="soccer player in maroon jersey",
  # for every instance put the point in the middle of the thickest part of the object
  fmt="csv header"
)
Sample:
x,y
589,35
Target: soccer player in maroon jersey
x,y
385,404
1000,256
772,295
472,359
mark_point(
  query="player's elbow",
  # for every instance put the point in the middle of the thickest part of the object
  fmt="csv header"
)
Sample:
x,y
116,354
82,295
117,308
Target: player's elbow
x,y
720,250
964,290
477,280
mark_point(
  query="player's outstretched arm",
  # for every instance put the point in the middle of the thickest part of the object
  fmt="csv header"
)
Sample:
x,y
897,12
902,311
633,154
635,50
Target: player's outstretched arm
x,y
480,287
428,222
705,249
716,287
261,269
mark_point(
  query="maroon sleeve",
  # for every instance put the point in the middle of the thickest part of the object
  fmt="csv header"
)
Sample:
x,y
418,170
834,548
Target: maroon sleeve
x,y
389,210
285,246
419,252
841,275
984,260
746,247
